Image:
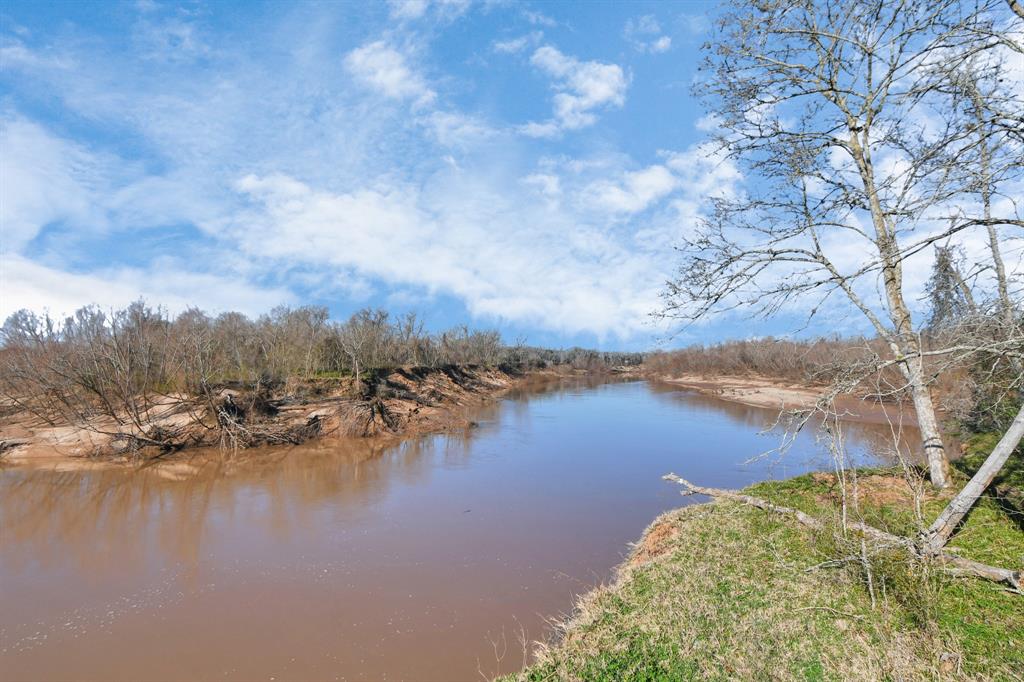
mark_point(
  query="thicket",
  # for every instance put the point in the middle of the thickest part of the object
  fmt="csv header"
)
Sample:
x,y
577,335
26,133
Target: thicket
x,y
122,372
820,362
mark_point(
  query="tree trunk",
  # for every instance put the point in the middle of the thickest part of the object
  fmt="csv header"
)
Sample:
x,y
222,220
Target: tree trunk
x,y
985,157
1017,8
1006,307
931,435
940,531
904,341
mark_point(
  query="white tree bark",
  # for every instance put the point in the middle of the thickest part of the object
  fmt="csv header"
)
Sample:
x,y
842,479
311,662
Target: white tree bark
x,y
904,341
928,423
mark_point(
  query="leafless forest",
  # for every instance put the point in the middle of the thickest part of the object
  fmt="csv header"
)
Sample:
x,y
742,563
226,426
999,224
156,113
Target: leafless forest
x,y
123,373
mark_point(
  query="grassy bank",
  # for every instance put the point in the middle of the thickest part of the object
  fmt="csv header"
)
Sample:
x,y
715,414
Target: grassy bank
x,y
726,591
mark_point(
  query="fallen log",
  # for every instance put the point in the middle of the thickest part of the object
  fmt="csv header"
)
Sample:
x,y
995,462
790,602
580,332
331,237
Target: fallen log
x,y
953,564
936,537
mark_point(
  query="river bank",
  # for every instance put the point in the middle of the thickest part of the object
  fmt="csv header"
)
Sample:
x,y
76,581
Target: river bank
x,y
780,394
391,406
724,589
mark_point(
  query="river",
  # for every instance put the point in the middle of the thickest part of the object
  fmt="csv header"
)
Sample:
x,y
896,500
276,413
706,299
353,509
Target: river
x,y
429,560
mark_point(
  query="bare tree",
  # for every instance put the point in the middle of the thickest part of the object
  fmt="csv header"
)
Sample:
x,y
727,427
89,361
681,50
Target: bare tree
x,y
141,378
951,296
838,111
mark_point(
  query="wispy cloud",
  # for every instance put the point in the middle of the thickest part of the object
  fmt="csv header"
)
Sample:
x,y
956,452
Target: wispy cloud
x,y
385,69
39,287
635,191
581,87
508,258
539,18
515,45
645,35
408,10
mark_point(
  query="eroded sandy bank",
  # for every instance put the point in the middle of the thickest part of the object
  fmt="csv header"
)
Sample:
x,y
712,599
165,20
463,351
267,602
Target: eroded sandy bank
x,y
777,394
406,402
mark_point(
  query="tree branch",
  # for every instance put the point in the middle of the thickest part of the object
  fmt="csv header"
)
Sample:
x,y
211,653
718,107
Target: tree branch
x,y
954,564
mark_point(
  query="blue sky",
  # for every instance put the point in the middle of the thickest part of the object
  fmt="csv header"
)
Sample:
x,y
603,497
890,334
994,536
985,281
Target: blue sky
x,y
524,166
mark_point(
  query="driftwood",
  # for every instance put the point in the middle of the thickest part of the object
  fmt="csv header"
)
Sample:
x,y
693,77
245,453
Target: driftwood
x,y
8,443
953,564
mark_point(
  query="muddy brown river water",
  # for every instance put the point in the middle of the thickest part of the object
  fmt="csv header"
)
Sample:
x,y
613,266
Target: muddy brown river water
x,y
429,560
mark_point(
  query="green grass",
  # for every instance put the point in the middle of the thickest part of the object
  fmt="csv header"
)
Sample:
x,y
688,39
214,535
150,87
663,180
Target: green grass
x,y
331,374
726,591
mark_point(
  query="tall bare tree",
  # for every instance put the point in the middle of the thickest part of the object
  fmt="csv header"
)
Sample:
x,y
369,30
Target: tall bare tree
x,y
838,112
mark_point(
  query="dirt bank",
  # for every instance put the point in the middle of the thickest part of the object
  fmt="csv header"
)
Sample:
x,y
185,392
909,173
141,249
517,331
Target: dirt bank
x,y
773,393
388,406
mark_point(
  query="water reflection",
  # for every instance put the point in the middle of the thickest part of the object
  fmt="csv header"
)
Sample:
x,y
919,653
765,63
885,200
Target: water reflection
x,y
870,433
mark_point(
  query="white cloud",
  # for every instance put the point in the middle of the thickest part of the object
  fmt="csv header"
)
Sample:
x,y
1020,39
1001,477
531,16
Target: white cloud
x,y
694,24
635,192
383,68
704,170
26,284
662,44
514,45
407,9
171,39
709,123
43,179
335,187
645,35
49,180
539,19
478,239
580,88
453,129
535,129
546,183
14,54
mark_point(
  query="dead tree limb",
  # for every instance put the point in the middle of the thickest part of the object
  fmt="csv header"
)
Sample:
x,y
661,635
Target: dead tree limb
x,y
938,534
954,564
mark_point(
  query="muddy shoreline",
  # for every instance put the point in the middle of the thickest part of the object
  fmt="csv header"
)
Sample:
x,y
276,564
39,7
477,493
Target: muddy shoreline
x,y
778,394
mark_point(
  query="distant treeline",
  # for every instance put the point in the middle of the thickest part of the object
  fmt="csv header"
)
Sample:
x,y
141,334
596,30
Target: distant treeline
x,y
142,348
811,361
977,392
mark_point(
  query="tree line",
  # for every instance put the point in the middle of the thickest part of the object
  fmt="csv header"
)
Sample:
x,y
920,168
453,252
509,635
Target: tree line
x,y
113,371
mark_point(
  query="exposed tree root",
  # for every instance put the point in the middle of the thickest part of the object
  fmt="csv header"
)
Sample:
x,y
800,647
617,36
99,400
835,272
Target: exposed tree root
x,y
953,564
